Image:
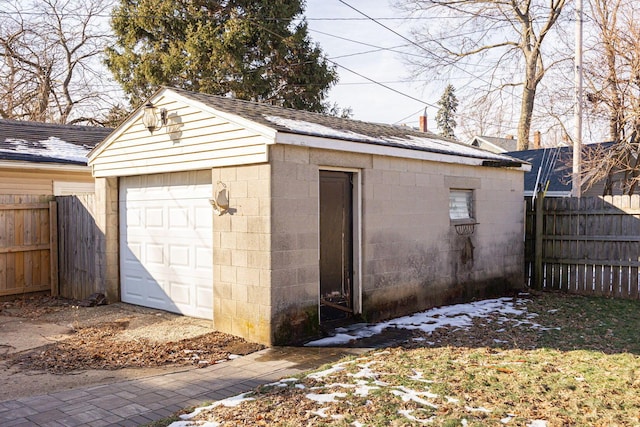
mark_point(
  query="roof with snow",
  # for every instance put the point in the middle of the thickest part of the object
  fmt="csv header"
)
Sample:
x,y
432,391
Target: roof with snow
x,y
286,120
48,143
494,143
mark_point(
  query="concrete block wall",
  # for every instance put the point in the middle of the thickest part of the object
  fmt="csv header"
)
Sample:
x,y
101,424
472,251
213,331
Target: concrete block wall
x,y
294,243
413,256
241,254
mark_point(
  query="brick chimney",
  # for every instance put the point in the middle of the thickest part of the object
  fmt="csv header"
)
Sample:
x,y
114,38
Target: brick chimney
x,y
536,140
423,121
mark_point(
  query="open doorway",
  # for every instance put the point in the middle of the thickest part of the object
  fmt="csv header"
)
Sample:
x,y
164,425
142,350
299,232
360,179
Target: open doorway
x,y
336,246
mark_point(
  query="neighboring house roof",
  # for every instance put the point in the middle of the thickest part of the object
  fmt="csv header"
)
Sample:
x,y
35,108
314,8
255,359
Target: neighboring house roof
x,y
495,144
35,142
286,120
552,165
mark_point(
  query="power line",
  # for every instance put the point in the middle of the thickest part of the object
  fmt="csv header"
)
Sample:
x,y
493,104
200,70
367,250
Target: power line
x,y
453,64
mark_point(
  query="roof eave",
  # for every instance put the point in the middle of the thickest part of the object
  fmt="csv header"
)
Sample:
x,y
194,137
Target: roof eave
x,y
42,166
291,138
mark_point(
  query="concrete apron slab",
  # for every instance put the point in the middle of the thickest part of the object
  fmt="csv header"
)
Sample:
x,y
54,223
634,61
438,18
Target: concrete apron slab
x,y
18,334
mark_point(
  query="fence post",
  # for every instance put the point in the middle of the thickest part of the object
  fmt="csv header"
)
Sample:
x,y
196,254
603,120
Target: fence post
x,y
537,258
53,245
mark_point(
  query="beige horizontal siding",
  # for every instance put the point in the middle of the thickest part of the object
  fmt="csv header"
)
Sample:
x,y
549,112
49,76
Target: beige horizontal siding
x,y
36,182
191,140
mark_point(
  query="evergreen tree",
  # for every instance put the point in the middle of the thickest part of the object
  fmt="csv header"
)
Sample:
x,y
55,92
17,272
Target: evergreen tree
x,y
257,50
445,116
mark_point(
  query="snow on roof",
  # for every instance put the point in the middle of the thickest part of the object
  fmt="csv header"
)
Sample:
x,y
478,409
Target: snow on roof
x,y
412,141
37,142
300,126
53,147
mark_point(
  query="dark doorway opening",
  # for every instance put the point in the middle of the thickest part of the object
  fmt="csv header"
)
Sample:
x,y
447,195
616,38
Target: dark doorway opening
x,y
336,246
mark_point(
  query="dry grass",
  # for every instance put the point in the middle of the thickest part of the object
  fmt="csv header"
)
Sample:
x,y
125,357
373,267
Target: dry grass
x,y
579,367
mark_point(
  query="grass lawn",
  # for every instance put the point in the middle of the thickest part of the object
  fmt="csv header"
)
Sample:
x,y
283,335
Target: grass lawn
x,y
558,360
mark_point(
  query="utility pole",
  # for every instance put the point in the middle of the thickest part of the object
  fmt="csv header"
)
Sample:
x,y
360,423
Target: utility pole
x,y
577,109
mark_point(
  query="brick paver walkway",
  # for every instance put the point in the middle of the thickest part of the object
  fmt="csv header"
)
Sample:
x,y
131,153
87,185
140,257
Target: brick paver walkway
x,y
140,401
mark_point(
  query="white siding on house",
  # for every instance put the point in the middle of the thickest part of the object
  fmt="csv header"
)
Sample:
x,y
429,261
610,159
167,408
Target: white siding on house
x,y
191,140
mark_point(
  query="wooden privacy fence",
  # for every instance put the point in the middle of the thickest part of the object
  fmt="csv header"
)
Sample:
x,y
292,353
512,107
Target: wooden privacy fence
x,y
28,248
588,246
79,240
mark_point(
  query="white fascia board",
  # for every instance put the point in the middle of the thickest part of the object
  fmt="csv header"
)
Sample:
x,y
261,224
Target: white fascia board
x,y
382,150
37,166
265,131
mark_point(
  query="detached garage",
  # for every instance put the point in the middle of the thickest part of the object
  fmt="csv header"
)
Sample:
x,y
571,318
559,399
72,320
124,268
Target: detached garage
x,y
273,222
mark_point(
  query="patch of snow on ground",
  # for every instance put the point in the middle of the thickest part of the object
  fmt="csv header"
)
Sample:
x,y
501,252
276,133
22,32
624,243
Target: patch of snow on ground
x,y
480,409
194,424
507,419
407,413
322,412
537,423
459,316
327,372
414,396
325,398
228,402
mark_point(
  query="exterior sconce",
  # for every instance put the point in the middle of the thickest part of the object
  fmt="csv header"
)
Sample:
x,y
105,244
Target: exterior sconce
x,y
220,200
150,120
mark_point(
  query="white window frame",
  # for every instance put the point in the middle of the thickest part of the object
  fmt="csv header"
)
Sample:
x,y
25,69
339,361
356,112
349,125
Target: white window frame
x,y
462,206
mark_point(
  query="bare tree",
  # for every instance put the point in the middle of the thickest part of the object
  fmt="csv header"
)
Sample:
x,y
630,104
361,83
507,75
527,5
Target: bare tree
x,y
50,69
474,36
613,71
483,115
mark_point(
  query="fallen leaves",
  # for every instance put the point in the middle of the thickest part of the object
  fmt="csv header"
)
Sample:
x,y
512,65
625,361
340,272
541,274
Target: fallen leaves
x,y
99,347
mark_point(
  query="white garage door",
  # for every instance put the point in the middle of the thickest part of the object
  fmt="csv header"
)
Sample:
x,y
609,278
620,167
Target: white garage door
x,y
166,242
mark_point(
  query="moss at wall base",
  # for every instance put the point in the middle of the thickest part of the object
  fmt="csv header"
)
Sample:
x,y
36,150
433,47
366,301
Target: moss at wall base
x,y
402,301
295,325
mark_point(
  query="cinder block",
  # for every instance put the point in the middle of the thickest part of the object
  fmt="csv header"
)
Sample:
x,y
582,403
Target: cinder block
x,y
258,224
293,154
239,258
248,276
222,291
227,273
249,206
258,295
259,260
239,292
248,173
228,240
239,223
265,278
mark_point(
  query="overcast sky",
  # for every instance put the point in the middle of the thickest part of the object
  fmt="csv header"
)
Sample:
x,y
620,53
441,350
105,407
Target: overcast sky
x,y
369,102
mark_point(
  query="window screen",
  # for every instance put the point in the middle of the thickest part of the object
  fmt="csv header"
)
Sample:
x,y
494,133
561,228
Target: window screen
x,y
461,204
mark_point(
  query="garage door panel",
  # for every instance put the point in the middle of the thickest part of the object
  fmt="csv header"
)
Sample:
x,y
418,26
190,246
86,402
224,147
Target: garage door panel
x,y
166,242
154,217
155,254
204,259
179,218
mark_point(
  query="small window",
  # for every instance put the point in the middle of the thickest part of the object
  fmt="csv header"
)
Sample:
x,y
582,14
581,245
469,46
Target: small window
x,y
461,205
